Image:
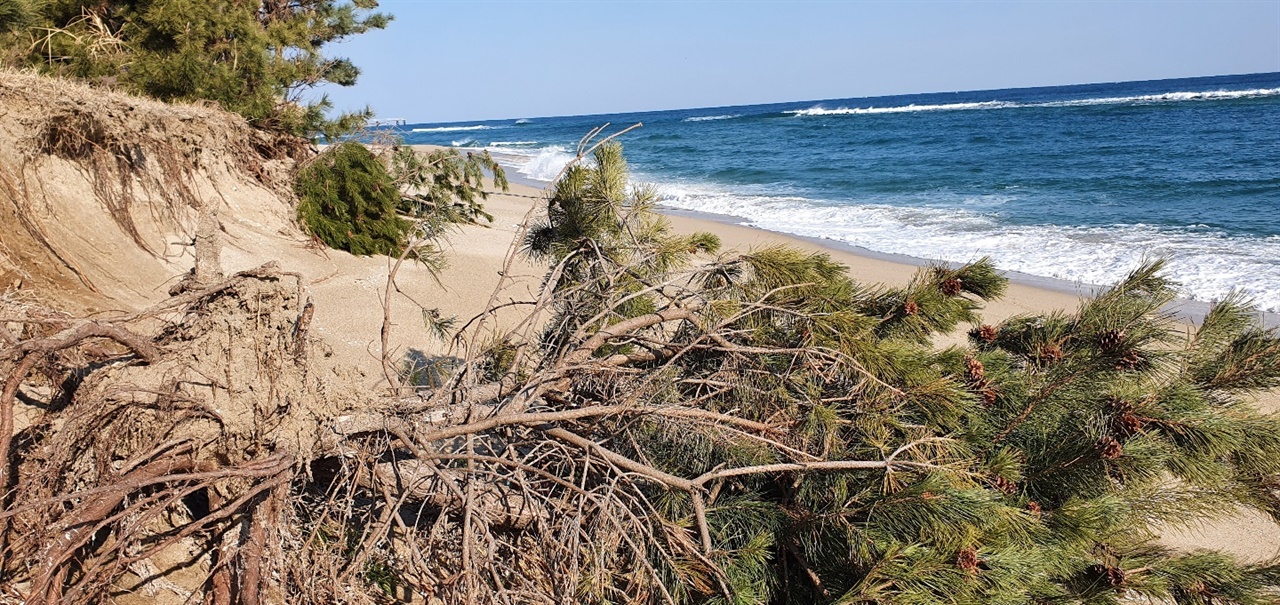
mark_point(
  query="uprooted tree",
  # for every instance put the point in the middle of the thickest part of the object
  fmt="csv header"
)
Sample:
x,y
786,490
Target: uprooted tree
x,y
665,425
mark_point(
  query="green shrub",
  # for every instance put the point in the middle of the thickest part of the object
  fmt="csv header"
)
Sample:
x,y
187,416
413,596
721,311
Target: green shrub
x,y
348,200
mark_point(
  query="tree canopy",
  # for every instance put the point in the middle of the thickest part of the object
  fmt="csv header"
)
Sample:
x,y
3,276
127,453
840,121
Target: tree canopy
x,y
257,58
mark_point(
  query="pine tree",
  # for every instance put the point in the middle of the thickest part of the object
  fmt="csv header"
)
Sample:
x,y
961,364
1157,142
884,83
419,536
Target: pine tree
x,y
349,201
443,186
1034,466
352,199
596,223
258,59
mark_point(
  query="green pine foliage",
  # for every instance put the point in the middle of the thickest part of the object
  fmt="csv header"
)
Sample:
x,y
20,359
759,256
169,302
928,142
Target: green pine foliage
x,y
596,222
348,200
18,14
352,199
443,186
258,59
1039,464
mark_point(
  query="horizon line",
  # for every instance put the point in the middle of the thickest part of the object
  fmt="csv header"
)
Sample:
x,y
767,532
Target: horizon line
x,y
901,94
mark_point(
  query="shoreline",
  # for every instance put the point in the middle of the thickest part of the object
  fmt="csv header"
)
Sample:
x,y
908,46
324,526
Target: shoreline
x,y
1026,294
1185,310
870,268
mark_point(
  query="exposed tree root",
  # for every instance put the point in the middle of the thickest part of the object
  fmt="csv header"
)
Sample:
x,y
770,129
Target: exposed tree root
x,y
207,431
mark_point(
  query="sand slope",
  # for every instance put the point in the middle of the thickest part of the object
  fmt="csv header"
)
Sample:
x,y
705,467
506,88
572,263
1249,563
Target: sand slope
x,y
107,223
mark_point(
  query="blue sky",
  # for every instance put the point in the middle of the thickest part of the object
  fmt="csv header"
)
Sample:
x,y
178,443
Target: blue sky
x,y
455,61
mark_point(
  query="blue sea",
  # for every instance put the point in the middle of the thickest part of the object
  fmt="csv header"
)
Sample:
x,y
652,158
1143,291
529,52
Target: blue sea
x,y
1076,183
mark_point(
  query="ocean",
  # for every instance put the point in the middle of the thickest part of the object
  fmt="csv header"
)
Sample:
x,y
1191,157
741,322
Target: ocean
x,y
1073,183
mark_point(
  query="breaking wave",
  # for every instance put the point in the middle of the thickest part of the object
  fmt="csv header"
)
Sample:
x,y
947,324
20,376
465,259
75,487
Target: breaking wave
x,y
1170,97
711,118
543,164
453,128
1208,263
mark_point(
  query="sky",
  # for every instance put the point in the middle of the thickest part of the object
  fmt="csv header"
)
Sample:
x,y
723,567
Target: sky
x,y
457,61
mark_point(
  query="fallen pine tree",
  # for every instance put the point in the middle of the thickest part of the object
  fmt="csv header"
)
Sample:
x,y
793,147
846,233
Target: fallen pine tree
x,y
667,425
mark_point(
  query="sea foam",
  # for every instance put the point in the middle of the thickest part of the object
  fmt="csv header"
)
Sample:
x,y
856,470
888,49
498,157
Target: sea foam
x,y
1170,97
543,164
1208,264
841,111
712,118
453,128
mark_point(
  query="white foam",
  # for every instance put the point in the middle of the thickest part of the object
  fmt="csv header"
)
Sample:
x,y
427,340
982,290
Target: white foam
x,y
840,111
711,118
1209,95
1169,97
544,165
512,143
1207,264
524,121
453,128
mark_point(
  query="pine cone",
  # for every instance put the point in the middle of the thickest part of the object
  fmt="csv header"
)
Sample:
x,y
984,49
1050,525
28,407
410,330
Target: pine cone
x,y
1124,421
1006,486
988,333
1110,341
1129,424
1034,507
973,369
975,376
911,308
1049,354
1109,448
1131,361
988,395
967,560
1111,575
952,287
